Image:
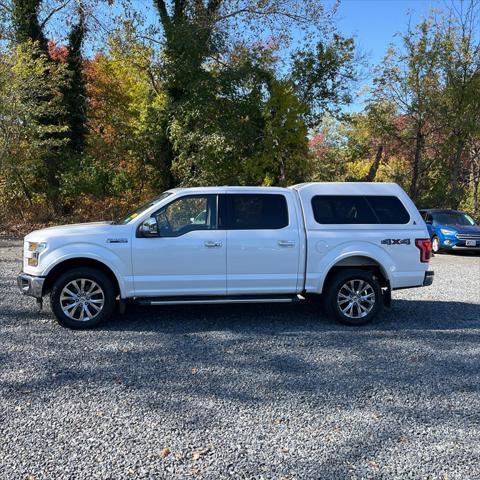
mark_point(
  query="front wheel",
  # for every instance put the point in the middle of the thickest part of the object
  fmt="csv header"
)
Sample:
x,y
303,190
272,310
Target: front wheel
x,y
436,245
354,297
82,298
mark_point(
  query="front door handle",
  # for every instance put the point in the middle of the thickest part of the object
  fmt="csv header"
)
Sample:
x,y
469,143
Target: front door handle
x,y
213,244
286,243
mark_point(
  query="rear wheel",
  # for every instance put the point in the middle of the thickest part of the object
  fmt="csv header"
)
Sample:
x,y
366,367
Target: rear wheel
x,y
354,297
82,298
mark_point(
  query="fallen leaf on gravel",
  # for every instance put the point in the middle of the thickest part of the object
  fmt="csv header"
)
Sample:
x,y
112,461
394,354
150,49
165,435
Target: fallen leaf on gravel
x,y
196,454
194,472
164,452
194,371
99,414
373,463
178,456
285,450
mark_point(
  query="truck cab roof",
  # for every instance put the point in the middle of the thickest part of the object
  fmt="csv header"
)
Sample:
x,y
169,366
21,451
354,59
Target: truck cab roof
x,y
328,188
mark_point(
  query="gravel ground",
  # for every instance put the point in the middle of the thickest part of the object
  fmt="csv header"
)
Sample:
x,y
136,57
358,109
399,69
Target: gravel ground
x,y
257,392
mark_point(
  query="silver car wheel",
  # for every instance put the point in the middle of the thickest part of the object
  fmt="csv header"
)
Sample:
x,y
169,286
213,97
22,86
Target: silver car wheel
x,y
356,298
435,245
82,299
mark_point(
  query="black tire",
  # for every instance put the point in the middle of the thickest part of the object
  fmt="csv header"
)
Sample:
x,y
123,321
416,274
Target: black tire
x,y
90,275
436,245
338,281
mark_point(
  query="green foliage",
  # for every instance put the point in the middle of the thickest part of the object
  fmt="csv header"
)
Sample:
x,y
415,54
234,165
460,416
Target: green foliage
x,y
323,77
26,23
30,91
284,155
125,116
75,94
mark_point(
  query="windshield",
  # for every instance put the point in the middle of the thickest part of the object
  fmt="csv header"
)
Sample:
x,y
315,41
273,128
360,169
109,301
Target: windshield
x,y
140,210
453,218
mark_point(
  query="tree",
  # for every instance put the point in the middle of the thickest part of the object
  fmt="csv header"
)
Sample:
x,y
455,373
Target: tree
x,y
75,94
371,135
284,155
196,37
25,139
122,156
27,25
460,99
409,79
323,77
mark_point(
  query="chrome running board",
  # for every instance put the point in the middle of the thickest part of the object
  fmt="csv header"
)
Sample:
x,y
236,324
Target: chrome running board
x,y
218,300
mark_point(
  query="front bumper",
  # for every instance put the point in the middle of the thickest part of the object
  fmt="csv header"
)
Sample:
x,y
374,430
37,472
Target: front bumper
x,y
464,247
454,243
428,279
30,285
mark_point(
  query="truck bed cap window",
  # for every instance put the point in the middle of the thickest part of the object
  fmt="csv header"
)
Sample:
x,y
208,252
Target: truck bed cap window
x,y
359,209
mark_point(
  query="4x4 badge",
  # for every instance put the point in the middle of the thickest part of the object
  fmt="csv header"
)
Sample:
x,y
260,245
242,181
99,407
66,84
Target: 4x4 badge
x,y
396,241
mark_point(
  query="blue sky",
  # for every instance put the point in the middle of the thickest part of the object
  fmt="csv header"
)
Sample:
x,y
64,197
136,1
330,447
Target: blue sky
x,y
374,24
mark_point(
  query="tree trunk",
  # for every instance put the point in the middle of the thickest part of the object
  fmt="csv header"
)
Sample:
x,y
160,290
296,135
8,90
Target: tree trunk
x,y
475,185
372,173
456,174
419,144
26,24
75,94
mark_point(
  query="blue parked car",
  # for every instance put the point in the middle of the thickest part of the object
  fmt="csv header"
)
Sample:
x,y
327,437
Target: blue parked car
x,y
451,230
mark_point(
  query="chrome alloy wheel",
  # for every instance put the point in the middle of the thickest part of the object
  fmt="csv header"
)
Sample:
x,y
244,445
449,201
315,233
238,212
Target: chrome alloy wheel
x,y
356,298
82,299
435,245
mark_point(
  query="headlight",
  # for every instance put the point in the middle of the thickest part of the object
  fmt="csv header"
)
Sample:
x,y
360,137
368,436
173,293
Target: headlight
x,y
33,251
36,246
446,231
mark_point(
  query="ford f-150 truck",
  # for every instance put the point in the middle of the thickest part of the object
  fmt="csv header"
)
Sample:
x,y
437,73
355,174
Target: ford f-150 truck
x,y
349,244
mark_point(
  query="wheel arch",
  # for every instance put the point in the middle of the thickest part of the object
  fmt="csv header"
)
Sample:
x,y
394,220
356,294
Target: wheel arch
x,y
358,261
68,264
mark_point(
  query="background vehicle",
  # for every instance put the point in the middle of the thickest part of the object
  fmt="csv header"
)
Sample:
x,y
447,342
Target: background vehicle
x,y
451,230
351,242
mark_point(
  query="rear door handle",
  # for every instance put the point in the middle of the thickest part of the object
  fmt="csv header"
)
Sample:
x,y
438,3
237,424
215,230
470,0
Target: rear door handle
x,y
286,243
213,244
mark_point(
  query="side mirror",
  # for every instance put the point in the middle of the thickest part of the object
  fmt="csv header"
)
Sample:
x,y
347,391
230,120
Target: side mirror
x,y
149,228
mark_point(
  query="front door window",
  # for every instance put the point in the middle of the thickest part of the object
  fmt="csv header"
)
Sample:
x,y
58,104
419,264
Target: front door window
x,y
186,215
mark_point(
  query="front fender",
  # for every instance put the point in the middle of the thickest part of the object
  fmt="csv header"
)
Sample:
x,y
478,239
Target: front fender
x,y
321,268
118,262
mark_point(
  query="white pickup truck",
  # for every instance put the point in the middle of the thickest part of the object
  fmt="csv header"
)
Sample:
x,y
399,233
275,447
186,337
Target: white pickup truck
x,y
350,244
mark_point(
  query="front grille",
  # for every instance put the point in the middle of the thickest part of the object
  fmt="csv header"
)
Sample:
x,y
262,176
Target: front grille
x,y
468,236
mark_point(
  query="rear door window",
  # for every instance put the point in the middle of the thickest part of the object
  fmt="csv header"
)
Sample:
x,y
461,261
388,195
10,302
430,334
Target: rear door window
x,y
256,211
